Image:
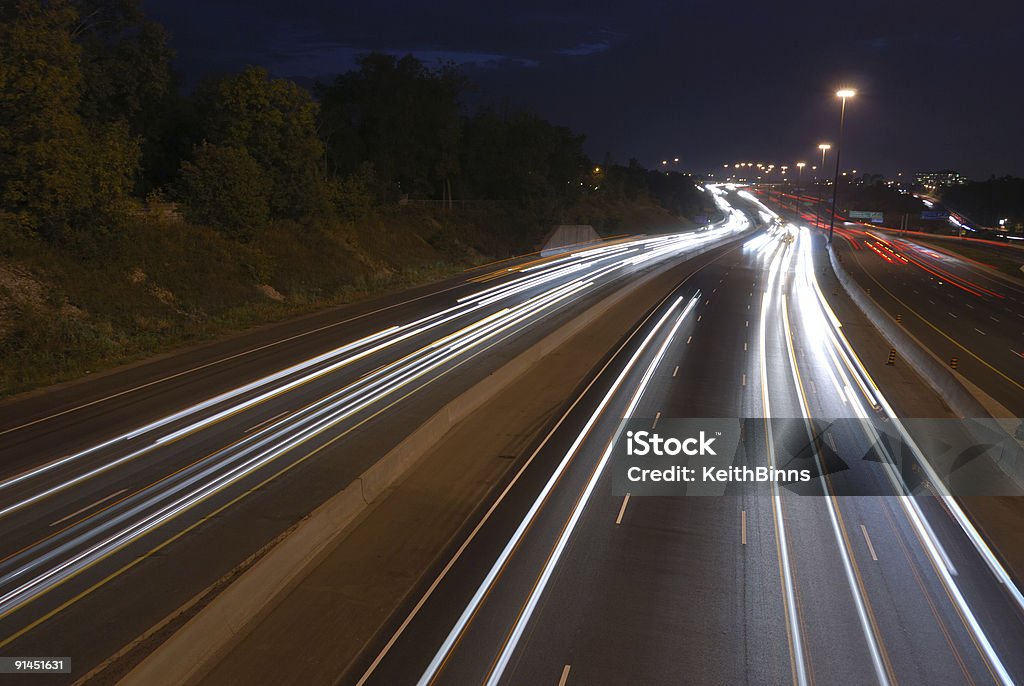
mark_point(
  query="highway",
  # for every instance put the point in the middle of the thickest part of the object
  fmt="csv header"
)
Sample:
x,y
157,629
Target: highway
x,y
124,497
564,582
126,504
957,307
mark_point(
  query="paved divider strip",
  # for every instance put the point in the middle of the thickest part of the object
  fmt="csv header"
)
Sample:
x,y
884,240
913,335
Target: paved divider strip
x,y
194,649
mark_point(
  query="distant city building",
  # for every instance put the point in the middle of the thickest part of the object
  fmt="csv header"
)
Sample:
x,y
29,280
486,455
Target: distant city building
x,y
933,181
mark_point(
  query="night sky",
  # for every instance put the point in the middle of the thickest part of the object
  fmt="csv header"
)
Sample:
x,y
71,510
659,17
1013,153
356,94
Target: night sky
x,y
941,84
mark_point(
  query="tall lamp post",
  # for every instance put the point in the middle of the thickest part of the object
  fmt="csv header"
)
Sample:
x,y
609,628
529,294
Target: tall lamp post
x,y
799,181
824,147
843,93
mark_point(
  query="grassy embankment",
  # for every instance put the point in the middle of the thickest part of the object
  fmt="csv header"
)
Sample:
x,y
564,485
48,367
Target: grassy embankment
x,y
169,283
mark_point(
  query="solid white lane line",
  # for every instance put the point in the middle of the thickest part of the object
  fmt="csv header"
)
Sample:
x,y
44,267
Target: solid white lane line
x,y
622,510
432,319
499,563
519,627
878,660
565,675
743,527
227,359
494,506
940,560
88,507
83,560
867,539
798,662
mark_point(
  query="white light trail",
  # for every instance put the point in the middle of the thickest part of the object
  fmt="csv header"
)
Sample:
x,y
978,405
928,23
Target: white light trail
x,y
520,531
554,284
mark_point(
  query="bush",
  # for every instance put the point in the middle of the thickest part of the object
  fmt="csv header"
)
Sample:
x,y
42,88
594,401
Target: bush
x,y
225,188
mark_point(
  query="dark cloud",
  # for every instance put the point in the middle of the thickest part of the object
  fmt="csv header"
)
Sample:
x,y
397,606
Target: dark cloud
x,y
707,81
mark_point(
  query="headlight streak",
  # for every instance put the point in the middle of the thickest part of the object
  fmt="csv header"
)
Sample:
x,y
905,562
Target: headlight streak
x,y
354,405
581,504
193,409
864,616
520,531
798,661
940,559
243,457
407,331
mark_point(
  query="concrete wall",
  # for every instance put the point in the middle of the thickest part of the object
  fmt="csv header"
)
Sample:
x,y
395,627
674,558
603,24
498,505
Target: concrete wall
x,y
567,237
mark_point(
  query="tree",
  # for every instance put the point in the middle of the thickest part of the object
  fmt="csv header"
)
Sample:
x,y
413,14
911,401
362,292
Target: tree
x,y
127,77
225,188
399,116
274,121
521,159
64,180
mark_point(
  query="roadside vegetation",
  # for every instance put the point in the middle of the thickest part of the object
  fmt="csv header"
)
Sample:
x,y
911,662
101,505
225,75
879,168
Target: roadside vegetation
x,y
135,217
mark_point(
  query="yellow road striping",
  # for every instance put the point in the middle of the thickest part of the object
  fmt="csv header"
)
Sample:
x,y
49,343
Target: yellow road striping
x,y
913,564
835,502
778,515
216,512
314,376
940,331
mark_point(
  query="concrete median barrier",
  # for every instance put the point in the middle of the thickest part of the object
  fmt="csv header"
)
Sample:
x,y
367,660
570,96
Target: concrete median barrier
x,y
962,397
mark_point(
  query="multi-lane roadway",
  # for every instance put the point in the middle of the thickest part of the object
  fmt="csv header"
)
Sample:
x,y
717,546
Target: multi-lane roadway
x,y
959,308
121,504
568,583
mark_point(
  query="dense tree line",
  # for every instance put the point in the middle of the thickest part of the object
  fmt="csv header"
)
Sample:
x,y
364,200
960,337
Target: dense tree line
x,y
92,116
988,201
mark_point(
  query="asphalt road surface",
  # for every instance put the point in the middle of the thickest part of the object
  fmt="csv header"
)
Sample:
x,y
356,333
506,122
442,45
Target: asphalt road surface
x,y
122,503
957,307
566,583
123,497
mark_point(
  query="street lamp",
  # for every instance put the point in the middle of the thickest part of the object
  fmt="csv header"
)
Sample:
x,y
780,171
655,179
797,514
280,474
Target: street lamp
x,y
799,181
824,147
843,93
